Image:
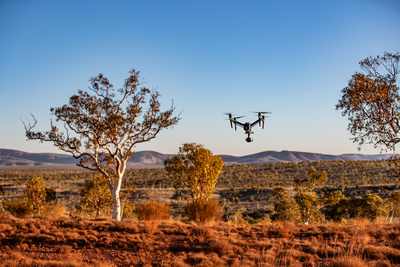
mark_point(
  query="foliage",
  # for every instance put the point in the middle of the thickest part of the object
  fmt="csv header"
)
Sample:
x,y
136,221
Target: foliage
x,y
36,199
343,174
309,184
203,210
17,206
335,206
128,210
369,207
372,102
153,210
306,198
393,206
285,208
35,194
95,196
196,168
309,207
101,129
237,184
52,210
38,194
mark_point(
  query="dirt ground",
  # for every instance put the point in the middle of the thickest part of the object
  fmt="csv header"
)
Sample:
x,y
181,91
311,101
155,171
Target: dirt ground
x,y
66,242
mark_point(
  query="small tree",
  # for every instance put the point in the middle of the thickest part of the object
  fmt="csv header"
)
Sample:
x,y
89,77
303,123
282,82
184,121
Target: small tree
x,y
372,102
285,208
196,168
309,184
306,198
38,194
336,206
102,130
95,196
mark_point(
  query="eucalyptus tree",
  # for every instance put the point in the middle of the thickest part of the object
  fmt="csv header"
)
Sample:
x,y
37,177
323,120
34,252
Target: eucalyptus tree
x,y
195,167
102,126
371,101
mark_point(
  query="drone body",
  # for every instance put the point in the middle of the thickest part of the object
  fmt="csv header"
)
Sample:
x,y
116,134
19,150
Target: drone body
x,y
247,126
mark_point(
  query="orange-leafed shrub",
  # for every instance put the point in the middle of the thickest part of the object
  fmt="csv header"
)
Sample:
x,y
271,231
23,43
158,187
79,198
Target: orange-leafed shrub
x,y
17,207
153,210
203,210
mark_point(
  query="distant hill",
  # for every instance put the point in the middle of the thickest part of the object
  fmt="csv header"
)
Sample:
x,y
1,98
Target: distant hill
x,y
12,159
293,156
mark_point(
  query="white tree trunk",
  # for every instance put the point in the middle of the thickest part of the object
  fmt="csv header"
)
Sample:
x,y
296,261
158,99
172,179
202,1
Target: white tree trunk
x,y
117,208
115,190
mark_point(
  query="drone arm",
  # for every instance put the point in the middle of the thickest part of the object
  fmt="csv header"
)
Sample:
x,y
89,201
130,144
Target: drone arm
x,y
238,123
255,123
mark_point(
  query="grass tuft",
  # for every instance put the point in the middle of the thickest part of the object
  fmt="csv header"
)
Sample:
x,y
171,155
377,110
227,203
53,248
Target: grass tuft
x,y
203,210
153,210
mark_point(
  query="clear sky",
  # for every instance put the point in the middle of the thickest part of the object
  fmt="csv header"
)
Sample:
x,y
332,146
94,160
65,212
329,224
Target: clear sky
x,y
289,57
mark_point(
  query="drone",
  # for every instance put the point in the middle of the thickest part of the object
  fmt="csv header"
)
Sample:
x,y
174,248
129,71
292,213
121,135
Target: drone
x,y
247,126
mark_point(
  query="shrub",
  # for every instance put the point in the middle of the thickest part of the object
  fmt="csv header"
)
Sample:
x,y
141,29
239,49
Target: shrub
x,y
52,210
285,208
35,200
203,210
38,194
153,210
128,209
370,207
95,196
17,207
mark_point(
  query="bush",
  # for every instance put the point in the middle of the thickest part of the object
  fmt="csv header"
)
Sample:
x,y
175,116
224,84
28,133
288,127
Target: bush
x,y
203,210
36,194
35,200
52,210
128,210
17,207
95,197
285,208
153,210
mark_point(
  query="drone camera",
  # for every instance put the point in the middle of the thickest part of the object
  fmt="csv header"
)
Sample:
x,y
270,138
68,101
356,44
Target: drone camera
x,y
248,139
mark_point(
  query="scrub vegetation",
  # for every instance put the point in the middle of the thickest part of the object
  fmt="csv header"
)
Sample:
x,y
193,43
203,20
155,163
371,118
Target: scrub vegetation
x,y
244,224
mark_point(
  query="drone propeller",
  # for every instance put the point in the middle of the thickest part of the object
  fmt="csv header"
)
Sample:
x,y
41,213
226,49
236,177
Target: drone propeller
x,y
261,112
235,118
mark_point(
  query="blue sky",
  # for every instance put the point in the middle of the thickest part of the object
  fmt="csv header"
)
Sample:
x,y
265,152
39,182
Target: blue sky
x,y
289,57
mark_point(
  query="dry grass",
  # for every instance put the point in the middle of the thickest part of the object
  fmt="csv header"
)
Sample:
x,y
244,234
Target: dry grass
x,y
348,262
65,242
203,210
153,210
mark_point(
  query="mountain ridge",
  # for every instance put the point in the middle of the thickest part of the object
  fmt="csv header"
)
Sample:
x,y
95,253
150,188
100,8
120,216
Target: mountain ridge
x,y
10,158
